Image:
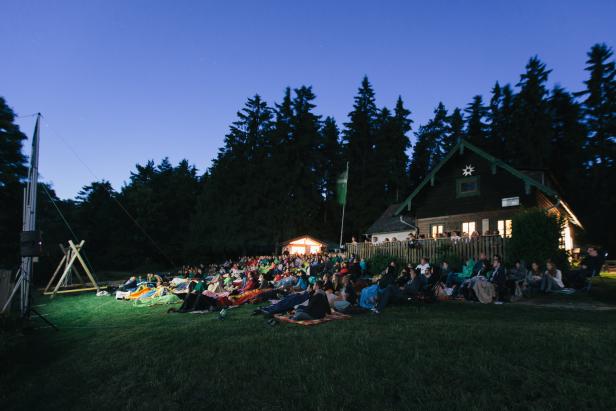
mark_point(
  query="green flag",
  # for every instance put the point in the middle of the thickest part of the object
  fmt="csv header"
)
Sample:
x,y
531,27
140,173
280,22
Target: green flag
x,y
341,184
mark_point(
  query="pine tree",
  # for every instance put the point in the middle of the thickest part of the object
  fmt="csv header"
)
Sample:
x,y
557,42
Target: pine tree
x,y
221,221
600,104
500,115
568,137
12,172
455,128
433,141
359,143
331,165
305,199
331,156
477,129
420,161
439,135
599,109
402,125
530,142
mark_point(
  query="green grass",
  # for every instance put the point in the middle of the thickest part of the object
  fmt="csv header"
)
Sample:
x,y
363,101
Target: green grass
x,y
111,355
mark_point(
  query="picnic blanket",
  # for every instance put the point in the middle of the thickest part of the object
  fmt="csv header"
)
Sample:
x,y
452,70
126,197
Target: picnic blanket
x,y
328,317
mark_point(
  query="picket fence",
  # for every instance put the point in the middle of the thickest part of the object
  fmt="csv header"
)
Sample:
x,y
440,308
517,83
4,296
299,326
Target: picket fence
x,y
433,249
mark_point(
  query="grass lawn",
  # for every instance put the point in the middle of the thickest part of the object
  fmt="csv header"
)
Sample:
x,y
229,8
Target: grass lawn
x,y
465,356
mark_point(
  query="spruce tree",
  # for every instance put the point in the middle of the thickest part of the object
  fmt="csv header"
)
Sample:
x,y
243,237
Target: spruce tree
x,y
477,129
599,104
359,138
599,109
402,125
12,172
530,142
568,138
440,137
331,165
420,160
455,128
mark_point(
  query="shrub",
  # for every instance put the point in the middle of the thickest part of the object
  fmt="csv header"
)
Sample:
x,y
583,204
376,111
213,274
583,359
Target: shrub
x,y
444,252
535,236
378,263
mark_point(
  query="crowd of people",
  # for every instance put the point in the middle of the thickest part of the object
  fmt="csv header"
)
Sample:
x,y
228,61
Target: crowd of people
x,y
309,287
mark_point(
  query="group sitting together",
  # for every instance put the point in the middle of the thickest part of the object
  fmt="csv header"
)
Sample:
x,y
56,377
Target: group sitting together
x,y
311,286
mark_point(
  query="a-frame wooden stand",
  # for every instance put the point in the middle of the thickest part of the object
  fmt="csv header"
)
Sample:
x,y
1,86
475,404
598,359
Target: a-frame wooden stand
x,y
71,254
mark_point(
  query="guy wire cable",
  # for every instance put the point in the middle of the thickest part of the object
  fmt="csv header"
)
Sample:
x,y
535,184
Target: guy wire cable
x,y
75,238
110,194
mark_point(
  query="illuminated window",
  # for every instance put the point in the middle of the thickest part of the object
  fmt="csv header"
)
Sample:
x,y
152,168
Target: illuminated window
x,y
436,229
468,227
504,228
510,201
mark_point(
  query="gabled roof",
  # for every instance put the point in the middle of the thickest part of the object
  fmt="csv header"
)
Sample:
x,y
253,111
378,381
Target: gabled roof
x,y
389,222
304,236
463,144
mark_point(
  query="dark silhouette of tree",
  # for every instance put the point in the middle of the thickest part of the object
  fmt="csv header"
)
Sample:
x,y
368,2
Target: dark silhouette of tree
x,y
359,141
477,129
13,171
529,145
455,130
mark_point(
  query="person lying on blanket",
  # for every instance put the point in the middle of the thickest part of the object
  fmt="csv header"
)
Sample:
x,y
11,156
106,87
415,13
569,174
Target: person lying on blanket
x,y
318,306
286,304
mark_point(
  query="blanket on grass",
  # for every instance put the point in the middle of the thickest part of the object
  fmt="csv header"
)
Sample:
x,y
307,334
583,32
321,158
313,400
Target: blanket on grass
x,y
329,317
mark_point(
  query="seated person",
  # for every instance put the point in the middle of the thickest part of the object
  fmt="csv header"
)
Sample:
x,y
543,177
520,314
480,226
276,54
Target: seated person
x,y
499,279
346,296
447,274
590,266
302,282
552,278
363,267
481,265
423,266
415,285
515,277
533,276
318,305
456,279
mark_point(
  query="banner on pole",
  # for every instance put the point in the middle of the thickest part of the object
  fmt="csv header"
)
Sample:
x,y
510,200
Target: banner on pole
x,y
342,187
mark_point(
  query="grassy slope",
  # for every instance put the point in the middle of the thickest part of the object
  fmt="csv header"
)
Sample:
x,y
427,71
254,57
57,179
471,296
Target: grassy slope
x,y
446,356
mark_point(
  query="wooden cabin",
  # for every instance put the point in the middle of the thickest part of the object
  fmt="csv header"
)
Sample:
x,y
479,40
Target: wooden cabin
x,y
304,245
472,191
391,227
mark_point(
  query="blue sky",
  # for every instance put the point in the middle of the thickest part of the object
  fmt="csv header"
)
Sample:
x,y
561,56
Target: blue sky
x,y
121,82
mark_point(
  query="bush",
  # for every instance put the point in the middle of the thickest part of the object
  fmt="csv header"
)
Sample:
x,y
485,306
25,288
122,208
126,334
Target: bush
x,y
535,236
444,252
378,263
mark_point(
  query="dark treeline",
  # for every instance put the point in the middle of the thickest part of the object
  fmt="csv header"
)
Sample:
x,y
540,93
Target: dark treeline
x,y
275,176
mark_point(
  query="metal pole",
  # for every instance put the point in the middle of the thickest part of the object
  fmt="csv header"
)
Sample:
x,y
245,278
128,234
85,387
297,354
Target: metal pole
x,y
345,202
29,224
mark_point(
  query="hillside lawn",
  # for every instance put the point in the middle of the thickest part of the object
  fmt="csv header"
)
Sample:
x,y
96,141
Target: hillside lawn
x,y
109,354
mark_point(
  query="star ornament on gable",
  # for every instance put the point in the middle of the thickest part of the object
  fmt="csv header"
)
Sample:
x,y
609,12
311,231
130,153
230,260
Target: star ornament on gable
x,y
468,170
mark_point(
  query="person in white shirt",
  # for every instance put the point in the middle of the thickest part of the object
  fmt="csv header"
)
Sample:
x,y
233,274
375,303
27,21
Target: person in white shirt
x,y
424,267
552,279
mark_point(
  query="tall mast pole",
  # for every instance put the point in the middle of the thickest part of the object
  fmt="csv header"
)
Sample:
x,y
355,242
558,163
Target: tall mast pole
x,y
29,218
344,205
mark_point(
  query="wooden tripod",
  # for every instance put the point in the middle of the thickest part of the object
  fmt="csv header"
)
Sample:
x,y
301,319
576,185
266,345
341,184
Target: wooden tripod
x,y
71,255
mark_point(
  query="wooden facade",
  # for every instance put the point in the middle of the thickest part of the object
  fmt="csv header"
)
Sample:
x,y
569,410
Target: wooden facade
x,y
470,190
432,249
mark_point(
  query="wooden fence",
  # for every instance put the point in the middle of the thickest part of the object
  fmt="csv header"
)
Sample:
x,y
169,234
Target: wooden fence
x,y
433,249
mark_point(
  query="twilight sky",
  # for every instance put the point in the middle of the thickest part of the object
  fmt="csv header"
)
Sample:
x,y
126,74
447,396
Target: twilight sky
x,y
121,82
